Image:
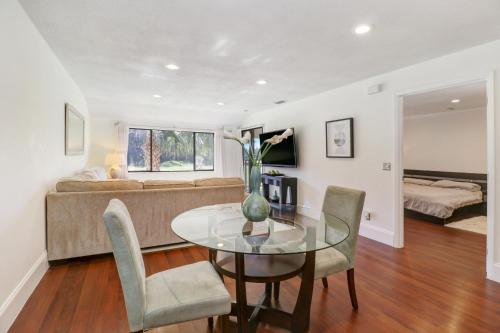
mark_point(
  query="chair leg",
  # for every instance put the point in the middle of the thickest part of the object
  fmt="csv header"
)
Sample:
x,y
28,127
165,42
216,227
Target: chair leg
x,y
352,288
211,323
325,282
223,322
276,290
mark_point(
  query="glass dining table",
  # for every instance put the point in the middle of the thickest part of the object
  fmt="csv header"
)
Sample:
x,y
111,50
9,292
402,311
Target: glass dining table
x,y
265,252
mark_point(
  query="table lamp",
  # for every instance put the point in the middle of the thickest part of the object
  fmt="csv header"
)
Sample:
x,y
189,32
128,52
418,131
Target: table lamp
x,y
114,161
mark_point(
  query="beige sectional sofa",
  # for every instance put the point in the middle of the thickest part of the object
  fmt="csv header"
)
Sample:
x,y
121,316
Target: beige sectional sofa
x,y
74,211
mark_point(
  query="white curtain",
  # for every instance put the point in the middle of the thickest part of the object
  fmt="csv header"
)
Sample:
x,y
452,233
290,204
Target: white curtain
x,y
121,146
219,153
231,155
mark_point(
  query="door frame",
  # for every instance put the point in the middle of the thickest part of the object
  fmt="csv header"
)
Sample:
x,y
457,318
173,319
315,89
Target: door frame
x,y
490,142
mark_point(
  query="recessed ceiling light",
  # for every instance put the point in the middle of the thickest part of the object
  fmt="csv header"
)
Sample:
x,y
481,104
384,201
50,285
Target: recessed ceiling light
x,y
362,29
456,100
157,96
221,103
172,67
261,82
220,244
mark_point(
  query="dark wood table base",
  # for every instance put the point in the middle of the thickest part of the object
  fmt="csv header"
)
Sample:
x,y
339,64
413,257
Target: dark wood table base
x,y
267,269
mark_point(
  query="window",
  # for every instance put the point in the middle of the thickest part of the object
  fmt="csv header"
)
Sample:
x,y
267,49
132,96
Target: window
x,y
167,150
139,150
172,151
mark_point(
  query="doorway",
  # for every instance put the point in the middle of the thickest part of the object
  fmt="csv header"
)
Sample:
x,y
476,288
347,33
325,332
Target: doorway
x,y
433,105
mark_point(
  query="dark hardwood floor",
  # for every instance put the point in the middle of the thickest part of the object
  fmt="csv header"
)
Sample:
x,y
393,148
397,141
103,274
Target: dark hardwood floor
x,y
435,284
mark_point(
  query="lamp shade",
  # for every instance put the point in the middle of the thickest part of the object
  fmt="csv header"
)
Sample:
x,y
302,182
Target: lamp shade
x,y
115,159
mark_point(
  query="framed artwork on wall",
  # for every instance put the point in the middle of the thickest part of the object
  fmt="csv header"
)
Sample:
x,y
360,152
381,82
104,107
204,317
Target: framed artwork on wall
x,y
340,138
74,135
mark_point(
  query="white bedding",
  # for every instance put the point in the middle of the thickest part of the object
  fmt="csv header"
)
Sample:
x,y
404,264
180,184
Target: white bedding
x,y
438,201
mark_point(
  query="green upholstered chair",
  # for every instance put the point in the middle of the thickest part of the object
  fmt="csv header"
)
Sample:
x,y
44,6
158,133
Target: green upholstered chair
x,y
176,295
345,204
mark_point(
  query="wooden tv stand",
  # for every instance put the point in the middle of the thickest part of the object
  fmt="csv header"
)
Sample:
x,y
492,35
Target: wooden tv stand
x,y
282,183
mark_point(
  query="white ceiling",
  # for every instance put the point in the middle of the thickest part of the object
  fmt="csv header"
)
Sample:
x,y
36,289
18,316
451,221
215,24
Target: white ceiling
x,y
116,49
471,96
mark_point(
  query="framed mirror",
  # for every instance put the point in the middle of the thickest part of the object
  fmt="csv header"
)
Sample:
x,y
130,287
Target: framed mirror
x,y
74,131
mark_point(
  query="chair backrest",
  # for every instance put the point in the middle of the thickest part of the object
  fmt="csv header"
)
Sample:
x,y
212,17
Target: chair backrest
x,y
129,261
346,204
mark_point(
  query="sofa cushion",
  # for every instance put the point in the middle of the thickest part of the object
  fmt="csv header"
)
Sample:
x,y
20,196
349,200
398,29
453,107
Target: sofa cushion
x,y
100,172
159,184
73,185
218,181
86,174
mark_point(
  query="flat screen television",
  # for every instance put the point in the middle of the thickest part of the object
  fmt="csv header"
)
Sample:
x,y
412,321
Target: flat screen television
x,y
281,155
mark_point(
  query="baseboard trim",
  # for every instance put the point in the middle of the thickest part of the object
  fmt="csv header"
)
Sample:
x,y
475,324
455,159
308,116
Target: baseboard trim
x,y
166,247
494,273
376,233
19,296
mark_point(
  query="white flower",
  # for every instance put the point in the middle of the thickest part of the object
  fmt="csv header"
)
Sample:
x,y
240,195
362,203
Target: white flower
x,y
286,133
278,138
274,140
246,138
243,140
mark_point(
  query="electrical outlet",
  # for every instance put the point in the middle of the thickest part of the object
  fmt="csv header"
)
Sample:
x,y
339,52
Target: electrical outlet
x,y
386,166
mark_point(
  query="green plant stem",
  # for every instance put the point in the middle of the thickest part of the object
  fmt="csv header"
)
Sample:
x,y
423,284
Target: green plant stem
x,y
267,147
255,157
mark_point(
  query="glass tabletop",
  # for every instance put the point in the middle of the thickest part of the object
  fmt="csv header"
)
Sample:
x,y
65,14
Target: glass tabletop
x,y
225,228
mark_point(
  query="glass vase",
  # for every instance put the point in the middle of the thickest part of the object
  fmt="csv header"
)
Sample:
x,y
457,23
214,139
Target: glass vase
x,y
255,207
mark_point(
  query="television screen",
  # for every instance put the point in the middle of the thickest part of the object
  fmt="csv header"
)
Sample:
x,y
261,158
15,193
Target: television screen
x,y
283,154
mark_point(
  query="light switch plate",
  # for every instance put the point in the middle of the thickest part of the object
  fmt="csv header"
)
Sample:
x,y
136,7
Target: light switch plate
x,y
386,166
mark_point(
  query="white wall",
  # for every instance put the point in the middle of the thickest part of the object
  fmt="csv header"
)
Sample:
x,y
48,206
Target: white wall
x,y
446,141
33,89
375,133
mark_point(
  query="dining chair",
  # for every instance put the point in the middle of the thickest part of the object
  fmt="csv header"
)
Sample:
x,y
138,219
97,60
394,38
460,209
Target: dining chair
x,y
176,295
347,205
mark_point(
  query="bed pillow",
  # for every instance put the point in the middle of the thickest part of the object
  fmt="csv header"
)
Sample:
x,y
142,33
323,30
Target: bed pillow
x,y
417,181
460,185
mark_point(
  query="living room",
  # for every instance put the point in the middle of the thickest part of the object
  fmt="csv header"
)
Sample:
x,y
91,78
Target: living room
x,y
152,102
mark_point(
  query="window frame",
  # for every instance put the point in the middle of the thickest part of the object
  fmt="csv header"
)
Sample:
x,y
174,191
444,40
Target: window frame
x,y
193,133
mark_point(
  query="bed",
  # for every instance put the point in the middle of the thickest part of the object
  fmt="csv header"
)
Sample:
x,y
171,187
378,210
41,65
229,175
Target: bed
x,y
442,197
